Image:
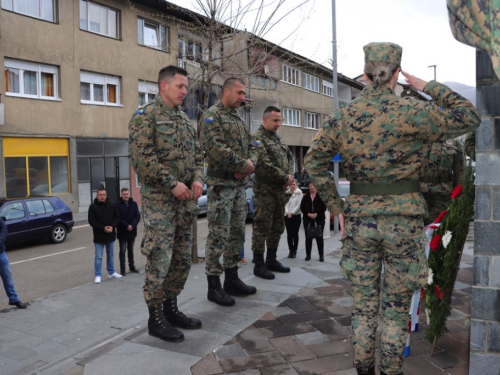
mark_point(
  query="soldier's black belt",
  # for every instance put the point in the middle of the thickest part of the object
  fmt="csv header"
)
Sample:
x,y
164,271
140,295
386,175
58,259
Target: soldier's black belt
x,y
436,179
389,188
221,174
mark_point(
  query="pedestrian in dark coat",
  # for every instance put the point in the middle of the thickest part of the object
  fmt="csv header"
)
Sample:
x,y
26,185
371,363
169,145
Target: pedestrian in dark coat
x,y
104,218
313,211
127,229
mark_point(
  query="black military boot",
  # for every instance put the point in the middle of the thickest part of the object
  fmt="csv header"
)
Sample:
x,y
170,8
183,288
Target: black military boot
x,y
217,294
177,318
158,326
260,269
366,372
273,264
234,285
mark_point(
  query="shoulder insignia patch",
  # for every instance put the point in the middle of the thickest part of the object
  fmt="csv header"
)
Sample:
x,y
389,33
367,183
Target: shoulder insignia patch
x,y
140,111
209,119
318,135
256,143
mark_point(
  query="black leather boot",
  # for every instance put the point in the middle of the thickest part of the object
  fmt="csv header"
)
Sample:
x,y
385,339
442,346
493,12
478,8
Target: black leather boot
x,y
216,293
122,263
321,255
234,285
294,254
158,326
308,254
273,264
177,318
260,269
290,254
133,269
366,372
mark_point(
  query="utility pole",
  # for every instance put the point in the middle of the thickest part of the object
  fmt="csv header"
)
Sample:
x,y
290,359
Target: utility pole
x,y
433,66
335,101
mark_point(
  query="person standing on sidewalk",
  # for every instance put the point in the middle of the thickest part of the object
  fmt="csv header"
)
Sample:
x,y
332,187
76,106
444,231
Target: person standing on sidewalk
x,y
165,153
5,271
273,174
228,150
384,141
103,217
127,229
292,219
313,213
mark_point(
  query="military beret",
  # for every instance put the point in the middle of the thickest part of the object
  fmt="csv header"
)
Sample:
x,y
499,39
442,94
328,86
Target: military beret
x,y
476,23
387,52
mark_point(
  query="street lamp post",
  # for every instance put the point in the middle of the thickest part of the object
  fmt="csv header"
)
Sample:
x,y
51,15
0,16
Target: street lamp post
x,y
433,66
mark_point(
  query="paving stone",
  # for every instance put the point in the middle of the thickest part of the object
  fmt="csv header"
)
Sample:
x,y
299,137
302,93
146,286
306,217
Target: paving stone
x,y
325,297
287,330
9,365
279,370
312,338
325,365
332,308
252,361
282,310
419,365
268,320
228,351
459,370
333,329
463,336
300,305
420,347
302,317
253,341
443,360
305,292
20,353
294,351
66,338
454,347
331,348
346,321
233,340
351,371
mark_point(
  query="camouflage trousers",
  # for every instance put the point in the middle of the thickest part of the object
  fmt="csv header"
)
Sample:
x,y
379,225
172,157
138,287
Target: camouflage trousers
x,y
226,214
397,242
436,204
166,243
269,221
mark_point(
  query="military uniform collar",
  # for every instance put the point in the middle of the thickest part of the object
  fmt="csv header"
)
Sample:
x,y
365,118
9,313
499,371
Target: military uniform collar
x,y
377,90
165,108
226,109
267,132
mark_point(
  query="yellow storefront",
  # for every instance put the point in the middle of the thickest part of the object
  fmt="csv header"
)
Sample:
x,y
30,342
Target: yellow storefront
x,y
36,166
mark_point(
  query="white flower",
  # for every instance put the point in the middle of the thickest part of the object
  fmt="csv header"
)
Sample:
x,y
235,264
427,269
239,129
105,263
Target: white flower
x,y
430,279
446,239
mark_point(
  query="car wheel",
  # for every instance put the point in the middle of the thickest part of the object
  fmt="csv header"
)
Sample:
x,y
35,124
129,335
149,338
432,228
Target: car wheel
x,y
58,233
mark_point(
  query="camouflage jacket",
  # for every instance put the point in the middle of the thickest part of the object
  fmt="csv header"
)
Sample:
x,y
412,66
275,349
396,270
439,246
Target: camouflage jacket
x,y
163,149
227,144
275,161
470,145
446,161
383,138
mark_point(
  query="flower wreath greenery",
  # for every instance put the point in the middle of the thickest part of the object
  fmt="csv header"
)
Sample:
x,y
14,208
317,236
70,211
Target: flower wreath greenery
x,y
446,248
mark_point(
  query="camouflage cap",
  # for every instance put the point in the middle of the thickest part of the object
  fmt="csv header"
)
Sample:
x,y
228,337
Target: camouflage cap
x,y
388,52
474,23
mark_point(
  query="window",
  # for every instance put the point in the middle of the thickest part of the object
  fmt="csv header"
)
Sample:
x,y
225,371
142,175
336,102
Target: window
x,y
311,120
291,117
290,75
265,82
99,89
98,19
328,89
43,9
147,92
190,52
311,82
35,207
152,35
12,211
30,80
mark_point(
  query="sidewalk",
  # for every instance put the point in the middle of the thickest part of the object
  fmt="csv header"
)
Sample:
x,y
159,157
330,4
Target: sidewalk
x,y
298,323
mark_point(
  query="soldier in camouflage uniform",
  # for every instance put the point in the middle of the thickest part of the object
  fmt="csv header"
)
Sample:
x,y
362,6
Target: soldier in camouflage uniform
x,y
443,172
273,173
384,141
228,151
166,155
470,146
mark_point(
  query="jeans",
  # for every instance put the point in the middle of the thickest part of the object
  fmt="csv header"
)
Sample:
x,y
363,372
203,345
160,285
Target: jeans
x,y
126,247
8,282
110,257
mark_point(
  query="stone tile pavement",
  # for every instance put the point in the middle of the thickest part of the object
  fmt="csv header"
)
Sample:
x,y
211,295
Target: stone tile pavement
x,y
298,323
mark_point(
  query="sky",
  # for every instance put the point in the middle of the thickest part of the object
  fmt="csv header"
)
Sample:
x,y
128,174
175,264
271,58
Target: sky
x,y
421,27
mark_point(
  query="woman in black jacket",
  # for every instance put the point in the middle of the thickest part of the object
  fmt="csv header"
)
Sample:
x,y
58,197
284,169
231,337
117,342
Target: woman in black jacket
x,y
313,209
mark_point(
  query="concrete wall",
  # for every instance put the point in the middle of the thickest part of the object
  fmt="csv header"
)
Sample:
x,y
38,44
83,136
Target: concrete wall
x,y
485,322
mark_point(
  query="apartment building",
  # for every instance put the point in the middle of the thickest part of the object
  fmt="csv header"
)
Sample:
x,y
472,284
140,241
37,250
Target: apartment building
x,y
76,70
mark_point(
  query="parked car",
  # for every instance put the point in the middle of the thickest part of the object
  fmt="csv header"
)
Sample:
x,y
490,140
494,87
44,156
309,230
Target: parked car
x,y
36,218
250,203
202,201
344,190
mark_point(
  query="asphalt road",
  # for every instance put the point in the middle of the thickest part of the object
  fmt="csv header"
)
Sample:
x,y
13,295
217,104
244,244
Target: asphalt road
x,y
42,268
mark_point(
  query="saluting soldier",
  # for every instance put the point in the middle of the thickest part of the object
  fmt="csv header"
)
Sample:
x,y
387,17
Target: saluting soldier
x,y
166,155
384,141
228,150
443,172
273,174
